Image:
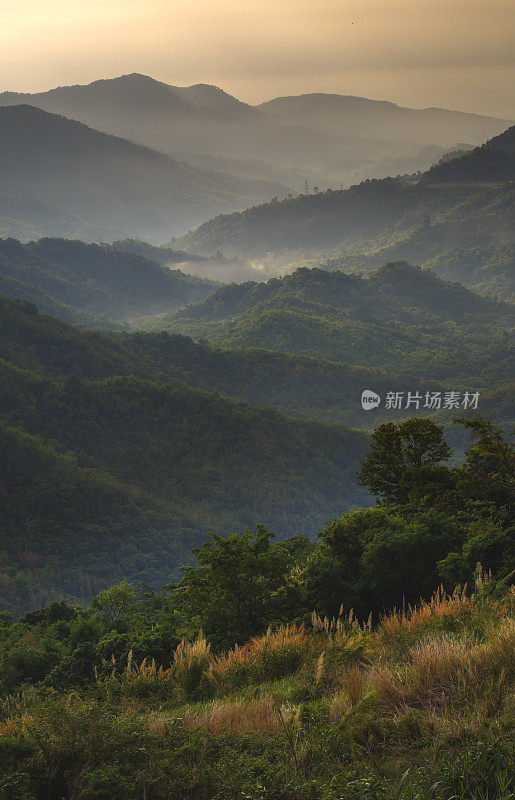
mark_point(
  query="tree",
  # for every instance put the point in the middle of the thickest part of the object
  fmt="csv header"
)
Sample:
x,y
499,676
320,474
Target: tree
x,y
373,557
115,603
488,473
238,589
401,560
397,449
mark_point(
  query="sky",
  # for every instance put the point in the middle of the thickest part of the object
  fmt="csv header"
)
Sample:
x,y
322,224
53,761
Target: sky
x,y
450,53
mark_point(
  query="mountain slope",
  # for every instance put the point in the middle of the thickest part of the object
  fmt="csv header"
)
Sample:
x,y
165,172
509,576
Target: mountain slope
x,y
462,204
335,113
108,181
170,462
472,243
82,282
300,386
394,292
493,162
68,531
308,224
202,119
29,218
401,319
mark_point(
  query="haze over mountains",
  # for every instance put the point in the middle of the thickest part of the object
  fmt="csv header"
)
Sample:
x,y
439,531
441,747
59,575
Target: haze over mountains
x,y
60,177
142,429
114,185
321,136
200,119
335,113
457,218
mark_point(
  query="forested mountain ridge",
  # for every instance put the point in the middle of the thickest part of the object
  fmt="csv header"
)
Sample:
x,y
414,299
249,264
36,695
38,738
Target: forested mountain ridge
x,y
88,283
402,318
168,462
458,218
389,293
299,386
108,182
387,321
364,219
471,243
376,210
493,162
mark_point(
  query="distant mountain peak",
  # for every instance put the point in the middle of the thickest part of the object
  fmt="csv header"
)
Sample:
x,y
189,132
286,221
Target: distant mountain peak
x,y
360,116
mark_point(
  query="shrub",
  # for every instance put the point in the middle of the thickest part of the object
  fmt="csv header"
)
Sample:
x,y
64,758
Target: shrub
x,y
16,786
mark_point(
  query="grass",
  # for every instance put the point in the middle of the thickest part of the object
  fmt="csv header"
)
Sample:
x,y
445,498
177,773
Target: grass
x,y
419,707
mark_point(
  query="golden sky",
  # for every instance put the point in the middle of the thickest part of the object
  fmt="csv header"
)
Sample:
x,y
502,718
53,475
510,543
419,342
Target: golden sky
x,y
449,53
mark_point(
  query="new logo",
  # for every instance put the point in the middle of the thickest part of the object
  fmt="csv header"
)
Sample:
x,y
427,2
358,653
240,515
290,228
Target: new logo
x,y
369,399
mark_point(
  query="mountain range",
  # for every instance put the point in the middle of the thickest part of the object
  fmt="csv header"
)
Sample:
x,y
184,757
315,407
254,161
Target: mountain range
x,y
134,157
325,138
323,335
59,176
457,218
202,119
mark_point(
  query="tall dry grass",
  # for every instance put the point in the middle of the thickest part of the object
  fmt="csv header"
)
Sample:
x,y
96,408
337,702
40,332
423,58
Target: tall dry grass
x,y
341,629
12,726
352,689
237,717
186,652
445,668
143,673
439,606
286,637
437,670
191,662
